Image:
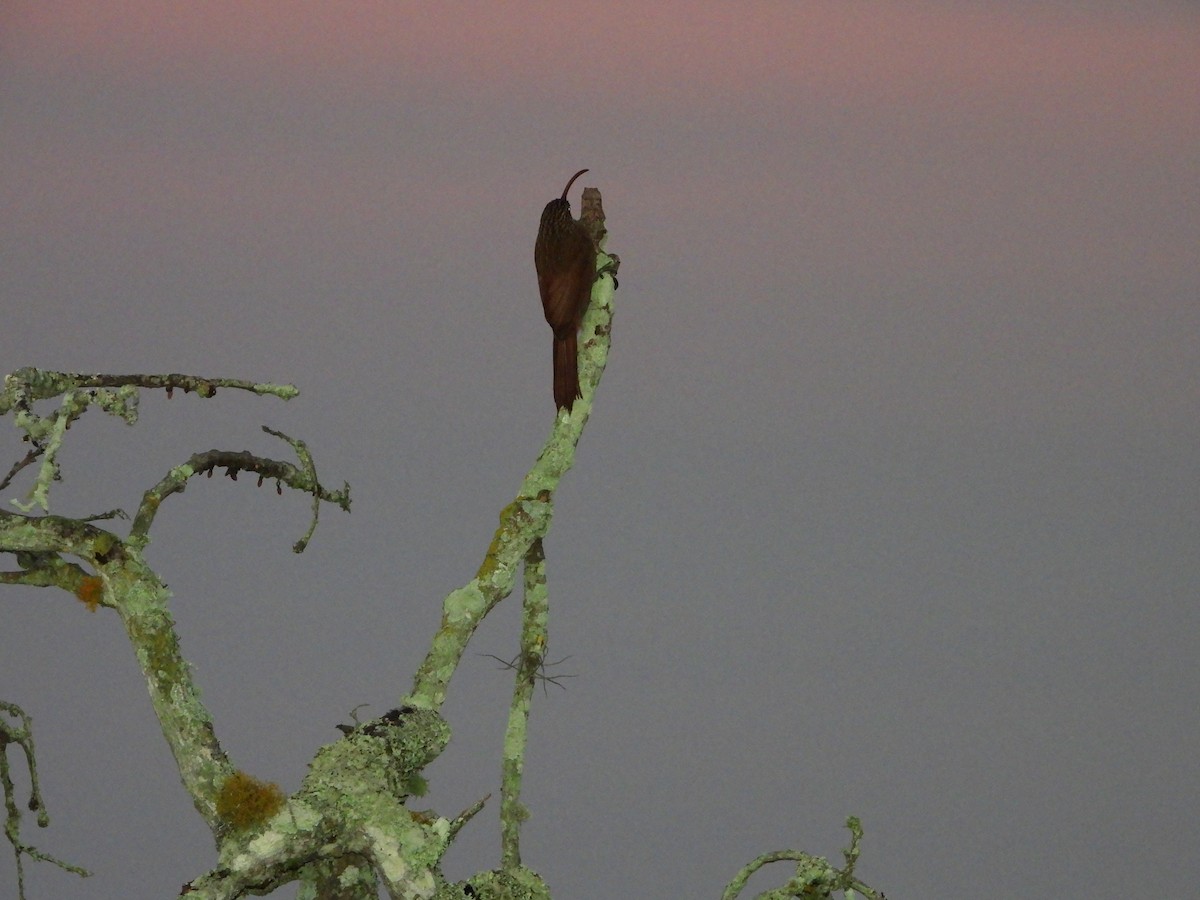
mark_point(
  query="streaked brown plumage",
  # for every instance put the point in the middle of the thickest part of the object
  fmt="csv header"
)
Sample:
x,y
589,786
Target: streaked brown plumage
x,y
566,267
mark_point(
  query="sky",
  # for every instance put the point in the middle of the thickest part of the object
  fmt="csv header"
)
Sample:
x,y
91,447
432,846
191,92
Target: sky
x,y
890,499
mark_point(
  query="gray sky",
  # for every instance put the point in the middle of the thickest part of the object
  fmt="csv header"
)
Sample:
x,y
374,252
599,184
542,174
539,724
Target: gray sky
x,y
889,504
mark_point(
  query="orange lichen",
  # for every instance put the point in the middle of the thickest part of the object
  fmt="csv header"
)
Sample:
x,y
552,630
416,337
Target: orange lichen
x,y
245,802
90,591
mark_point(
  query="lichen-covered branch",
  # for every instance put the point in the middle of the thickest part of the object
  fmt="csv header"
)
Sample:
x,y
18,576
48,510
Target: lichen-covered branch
x,y
101,569
301,478
20,733
348,831
527,518
122,581
349,807
114,394
535,612
26,386
814,877
141,599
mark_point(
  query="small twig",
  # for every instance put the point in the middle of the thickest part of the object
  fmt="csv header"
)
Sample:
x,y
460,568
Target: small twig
x,y
310,469
22,736
465,816
30,457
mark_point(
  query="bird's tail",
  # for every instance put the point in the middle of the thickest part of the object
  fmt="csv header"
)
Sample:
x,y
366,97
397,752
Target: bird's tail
x,y
566,372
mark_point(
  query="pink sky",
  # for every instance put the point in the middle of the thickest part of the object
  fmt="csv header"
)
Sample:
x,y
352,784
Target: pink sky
x,y
680,52
898,429
1074,129
1129,80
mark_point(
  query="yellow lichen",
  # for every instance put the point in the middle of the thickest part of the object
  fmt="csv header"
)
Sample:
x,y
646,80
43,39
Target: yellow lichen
x,y
90,591
245,802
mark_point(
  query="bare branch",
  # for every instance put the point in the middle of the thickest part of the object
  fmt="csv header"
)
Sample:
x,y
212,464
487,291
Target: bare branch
x,y
302,478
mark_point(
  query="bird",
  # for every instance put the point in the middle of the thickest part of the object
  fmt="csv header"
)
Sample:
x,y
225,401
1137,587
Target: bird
x,y
565,259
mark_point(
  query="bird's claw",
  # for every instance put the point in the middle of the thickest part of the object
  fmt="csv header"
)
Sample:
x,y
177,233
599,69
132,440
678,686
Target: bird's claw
x,y
610,268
